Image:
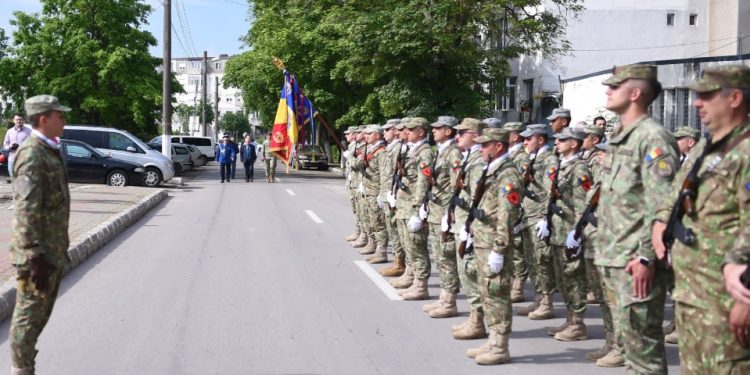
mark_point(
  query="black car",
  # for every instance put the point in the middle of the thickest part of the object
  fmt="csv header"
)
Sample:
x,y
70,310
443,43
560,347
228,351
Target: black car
x,y
86,164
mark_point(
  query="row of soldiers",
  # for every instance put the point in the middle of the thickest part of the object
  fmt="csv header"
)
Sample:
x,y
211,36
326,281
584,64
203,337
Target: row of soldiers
x,y
500,204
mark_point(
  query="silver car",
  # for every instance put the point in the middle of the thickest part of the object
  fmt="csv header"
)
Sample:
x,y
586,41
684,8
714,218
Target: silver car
x,y
196,156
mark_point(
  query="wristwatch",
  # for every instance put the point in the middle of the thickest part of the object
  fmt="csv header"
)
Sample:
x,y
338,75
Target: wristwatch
x,y
645,261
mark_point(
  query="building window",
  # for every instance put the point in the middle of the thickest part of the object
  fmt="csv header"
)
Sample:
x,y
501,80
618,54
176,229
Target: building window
x,y
195,64
693,19
509,99
194,81
217,66
670,19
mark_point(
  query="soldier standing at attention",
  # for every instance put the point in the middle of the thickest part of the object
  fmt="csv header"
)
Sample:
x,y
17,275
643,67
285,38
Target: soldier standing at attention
x,y
638,171
395,147
713,306
357,175
687,138
559,119
348,156
39,233
492,236
372,182
443,173
468,131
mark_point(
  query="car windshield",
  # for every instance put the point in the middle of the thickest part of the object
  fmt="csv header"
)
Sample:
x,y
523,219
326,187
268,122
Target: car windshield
x,y
156,140
311,148
77,149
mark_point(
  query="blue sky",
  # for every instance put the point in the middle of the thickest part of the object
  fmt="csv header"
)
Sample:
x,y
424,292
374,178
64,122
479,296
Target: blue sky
x,y
215,25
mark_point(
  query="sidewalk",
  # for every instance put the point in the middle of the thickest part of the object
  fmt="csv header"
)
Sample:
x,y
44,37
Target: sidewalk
x,y
98,213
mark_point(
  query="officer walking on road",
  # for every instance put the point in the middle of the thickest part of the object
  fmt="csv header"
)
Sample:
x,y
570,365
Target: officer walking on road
x,y
270,160
39,234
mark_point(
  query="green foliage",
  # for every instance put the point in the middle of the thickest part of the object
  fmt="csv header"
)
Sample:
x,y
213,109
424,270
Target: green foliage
x,y
366,61
235,123
182,113
93,55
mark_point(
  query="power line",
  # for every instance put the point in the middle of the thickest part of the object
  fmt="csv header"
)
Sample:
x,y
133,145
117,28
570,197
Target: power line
x,y
187,26
722,46
652,47
184,26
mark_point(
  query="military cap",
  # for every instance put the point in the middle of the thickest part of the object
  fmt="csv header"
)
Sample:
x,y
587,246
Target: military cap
x,y
593,129
621,74
348,130
445,121
514,126
535,129
727,76
493,122
373,128
686,131
559,112
43,103
391,123
569,133
417,122
472,124
493,134
402,124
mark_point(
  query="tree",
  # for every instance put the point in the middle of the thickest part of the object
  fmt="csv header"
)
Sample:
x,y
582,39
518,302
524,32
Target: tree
x,y
183,112
235,123
93,55
362,62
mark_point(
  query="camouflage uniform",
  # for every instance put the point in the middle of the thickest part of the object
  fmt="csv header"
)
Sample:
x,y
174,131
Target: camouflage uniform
x,y
350,188
638,171
357,183
521,259
388,170
372,181
722,232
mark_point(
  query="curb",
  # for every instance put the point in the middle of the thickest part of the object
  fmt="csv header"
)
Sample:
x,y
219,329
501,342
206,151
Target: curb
x,y
88,243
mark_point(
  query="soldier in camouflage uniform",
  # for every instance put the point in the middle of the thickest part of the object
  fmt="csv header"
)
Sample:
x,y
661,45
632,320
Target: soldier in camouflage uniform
x,y
638,171
357,177
468,131
373,161
713,307
443,175
559,120
39,234
348,156
392,137
492,237
544,166
521,260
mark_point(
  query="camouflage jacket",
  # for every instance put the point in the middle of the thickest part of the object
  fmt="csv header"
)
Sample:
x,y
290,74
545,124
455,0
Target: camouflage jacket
x,y
573,182
42,204
520,157
372,180
358,165
721,223
593,159
447,165
389,168
349,163
417,165
545,168
638,171
474,168
499,208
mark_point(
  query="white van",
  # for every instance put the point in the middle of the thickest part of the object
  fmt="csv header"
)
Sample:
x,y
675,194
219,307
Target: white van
x,y
124,146
204,144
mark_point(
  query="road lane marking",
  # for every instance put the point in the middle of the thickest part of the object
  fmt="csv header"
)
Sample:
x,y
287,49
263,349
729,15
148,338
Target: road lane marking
x,y
277,179
313,216
290,192
379,281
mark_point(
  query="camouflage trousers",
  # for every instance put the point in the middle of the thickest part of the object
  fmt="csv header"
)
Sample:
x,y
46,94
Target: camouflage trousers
x,y
376,220
543,264
638,321
30,315
707,345
596,286
271,167
571,279
444,253
415,245
362,213
467,273
352,201
522,260
494,291
393,237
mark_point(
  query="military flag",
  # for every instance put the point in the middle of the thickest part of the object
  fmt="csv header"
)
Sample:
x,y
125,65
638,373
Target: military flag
x,y
294,113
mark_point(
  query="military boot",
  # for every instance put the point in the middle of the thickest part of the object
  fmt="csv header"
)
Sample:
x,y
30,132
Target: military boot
x,y
516,293
447,308
555,330
434,305
361,241
369,248
352,237
608,343
575,331
396,269
380,255
417,292
21,371
405,280
474,329
497,353
533,306
545,309
458,327
474,352
613,359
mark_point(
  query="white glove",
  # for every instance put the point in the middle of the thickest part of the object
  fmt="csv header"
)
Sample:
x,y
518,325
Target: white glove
x,y
571,242
349,178
414,224
423,212
391,200
496,262
381,205
463,235
542,229
361,188
444,223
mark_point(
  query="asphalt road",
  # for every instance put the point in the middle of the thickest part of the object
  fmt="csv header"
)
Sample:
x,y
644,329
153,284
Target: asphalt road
x,y
239,278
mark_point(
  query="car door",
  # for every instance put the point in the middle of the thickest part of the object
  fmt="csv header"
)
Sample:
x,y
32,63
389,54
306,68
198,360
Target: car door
x,y
83,163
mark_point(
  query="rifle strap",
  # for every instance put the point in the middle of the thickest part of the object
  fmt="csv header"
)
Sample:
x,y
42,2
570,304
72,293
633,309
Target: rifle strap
x,y
725,150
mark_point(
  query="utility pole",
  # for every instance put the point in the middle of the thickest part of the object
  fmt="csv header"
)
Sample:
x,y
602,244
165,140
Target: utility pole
x,y
166,106
205,91
216,102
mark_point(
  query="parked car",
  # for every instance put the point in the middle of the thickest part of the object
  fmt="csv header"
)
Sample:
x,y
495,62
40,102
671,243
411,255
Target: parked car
x,y
196,156
122,145
181,158
86,164
4,162
204,144
312,156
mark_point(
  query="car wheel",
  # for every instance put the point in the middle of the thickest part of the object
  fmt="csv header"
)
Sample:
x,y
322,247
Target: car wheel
x,y
203,160
117,178
177,168
152,177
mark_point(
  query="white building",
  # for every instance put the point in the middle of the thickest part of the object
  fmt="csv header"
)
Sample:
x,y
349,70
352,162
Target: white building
x,y
619,32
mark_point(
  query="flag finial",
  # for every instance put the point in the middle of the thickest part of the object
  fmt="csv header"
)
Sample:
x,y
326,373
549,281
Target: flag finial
x,y
279,64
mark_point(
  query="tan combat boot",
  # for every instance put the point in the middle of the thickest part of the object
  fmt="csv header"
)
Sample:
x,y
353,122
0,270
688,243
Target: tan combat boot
x,y
545,309
447,308
458,327
21,371
516,293
370,248
608,343
533,306
497,353
575,331
380,255
361,241
352,237
396,269
405,280
613,359
474,352
417,292
553,331
434,305
473,330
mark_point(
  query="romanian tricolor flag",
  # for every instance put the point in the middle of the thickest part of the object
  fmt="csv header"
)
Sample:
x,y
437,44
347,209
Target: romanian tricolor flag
x,y
295,111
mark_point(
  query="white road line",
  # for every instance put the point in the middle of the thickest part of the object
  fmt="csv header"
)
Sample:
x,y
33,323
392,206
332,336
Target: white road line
x,y
379,281
277,179
290,192
313,216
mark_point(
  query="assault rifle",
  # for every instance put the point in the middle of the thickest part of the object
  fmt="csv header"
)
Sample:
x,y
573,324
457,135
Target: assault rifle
x,y
478,194
455,200
554,195
430,183
398,171
588,217
528,177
